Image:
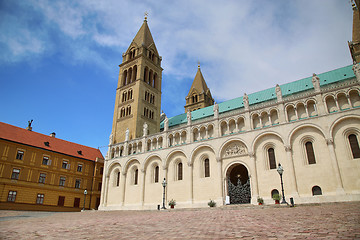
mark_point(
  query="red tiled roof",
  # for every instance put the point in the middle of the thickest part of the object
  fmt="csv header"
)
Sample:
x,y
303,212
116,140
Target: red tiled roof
x,y
21,135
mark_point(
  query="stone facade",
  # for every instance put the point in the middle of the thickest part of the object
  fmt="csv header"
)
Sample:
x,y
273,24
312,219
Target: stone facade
x,y
311,127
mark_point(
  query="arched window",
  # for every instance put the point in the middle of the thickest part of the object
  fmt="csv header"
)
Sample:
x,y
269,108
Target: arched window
x,y
354,145
316,190
125,78
180,173
134,73
124,97
118,179
272,161
207,167
146,94
146,74
136,173
273,192
156,175
310,152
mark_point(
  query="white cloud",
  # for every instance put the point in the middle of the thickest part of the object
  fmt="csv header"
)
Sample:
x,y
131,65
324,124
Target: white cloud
x,y
243,46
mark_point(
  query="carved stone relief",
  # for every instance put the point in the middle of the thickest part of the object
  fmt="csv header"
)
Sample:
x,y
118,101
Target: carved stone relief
x,y
235,149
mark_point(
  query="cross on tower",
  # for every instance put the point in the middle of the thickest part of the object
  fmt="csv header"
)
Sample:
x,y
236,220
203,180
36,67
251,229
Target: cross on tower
x,y
146,15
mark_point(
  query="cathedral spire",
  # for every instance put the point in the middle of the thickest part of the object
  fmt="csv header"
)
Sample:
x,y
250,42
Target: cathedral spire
x,y
143,36
199,95
354,45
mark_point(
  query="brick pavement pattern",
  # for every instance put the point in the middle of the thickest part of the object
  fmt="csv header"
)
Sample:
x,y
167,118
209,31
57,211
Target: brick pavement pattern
x,y
325,221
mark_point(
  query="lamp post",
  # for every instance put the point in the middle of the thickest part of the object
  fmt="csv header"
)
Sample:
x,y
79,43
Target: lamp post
x,y
85,192
280,170
164,185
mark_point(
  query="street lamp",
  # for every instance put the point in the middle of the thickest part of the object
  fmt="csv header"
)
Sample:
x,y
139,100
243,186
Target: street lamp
x,y
164,185
280,170
85,192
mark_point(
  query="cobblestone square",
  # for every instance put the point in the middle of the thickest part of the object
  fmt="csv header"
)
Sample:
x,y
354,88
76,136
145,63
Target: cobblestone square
x,y
325,221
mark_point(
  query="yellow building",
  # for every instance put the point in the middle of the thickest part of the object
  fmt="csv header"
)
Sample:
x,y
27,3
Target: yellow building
x,y
41,172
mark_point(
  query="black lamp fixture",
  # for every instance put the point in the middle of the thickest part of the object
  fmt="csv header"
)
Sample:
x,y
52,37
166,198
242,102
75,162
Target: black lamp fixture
x,y
164,185
280,170
85,192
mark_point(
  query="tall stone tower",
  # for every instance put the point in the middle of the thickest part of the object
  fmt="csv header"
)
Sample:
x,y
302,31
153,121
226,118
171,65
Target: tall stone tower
x,y
354,45
138,93
199,95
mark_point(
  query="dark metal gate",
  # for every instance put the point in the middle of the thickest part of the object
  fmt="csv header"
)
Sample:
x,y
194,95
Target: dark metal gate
x,y
239,193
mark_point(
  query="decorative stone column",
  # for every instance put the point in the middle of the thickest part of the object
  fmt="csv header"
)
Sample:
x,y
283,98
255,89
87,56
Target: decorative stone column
x,y
104,193
254,179
293,182
219,163
191,174
339,183
123,186
143,187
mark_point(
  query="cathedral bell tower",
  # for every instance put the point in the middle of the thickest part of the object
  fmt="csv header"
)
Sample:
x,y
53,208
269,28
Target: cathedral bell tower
x,y
199,95
138,93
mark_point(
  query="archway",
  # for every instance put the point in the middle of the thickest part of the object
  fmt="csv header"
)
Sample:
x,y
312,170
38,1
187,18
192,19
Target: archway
x,y
238,183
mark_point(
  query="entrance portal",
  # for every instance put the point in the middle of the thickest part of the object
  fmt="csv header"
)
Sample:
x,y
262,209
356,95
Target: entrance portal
x,y
238,184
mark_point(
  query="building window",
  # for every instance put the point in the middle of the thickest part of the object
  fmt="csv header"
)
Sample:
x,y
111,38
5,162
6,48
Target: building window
x,y
20,155
15,174
101,170
179,172
62,181
46,160
65,165
207,167
61,201
136,177
77,183
40,198
316,190
76,202
99,186
310,152
118,179
79,168
11,196
156,174
42,177
272,161
354,145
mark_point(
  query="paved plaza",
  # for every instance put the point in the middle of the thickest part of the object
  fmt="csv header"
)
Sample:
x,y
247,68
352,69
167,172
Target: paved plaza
x,y
325,221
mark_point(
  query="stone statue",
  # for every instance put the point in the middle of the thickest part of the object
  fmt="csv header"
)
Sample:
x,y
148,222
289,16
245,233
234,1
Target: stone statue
x,y
356,69
216,110
29,125
316,82
188,116
246,101
145,129
166,124
127,132
278,93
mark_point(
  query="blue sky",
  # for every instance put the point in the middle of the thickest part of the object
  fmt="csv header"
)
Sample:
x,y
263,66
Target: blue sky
x,y
59,59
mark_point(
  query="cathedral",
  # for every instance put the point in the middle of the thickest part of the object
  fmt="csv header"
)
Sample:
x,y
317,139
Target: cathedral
x,y
232,152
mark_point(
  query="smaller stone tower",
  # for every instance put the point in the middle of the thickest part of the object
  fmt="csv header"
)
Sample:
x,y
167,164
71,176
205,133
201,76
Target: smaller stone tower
x,y
199,95
354,45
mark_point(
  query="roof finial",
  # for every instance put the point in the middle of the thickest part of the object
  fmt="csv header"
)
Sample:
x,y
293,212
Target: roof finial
x,y
199,64
146,15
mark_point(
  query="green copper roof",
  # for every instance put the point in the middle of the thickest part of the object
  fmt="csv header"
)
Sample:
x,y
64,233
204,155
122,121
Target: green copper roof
x,y
287,89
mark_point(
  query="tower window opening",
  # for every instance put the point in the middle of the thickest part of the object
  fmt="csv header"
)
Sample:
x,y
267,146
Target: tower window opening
x,y
354,145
